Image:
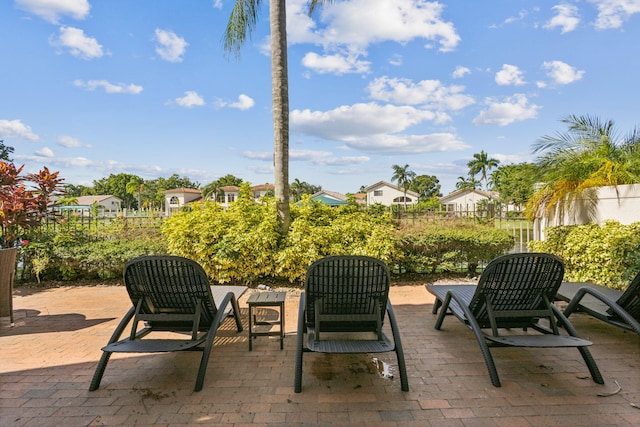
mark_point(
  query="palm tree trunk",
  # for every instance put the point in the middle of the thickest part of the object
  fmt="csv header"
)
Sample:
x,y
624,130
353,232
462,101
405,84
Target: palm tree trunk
x,y
280,104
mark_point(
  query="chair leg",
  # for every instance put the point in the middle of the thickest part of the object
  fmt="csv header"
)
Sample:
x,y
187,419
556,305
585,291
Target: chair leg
x,y
104,359
584,351
211,336
402,367
484,348
299,345
436,305
99,372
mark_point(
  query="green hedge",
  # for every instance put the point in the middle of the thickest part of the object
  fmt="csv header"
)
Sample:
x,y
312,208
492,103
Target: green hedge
x,y
243,243
72,251
608,255
445,245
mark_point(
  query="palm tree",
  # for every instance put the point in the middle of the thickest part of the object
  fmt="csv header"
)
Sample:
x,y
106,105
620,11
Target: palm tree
x,y
590,154
210,191
403,176
482,164
467,183
136,186
296,189
241,24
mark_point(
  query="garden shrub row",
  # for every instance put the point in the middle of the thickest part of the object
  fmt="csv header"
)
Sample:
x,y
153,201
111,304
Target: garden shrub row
x,y
608,254
243,244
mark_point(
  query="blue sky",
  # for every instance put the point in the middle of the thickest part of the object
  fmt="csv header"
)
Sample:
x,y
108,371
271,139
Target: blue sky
x,y
90,88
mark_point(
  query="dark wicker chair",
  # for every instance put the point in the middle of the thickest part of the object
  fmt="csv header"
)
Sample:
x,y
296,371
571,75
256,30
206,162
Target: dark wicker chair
x,y
513,293
170,293
621,309
346,297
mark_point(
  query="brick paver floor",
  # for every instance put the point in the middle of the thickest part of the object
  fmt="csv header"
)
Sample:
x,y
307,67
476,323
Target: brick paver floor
x,y
47,360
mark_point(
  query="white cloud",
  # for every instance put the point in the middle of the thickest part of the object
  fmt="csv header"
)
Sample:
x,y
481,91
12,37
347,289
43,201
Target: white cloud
x,y
396,60
352,25
17,129
217,4
190,99
428,93
77,43
170,47
53,10
460,72
363,22
336,64
70,142
521,15
357,120
109,87
509,75
512,109
408,144
244,102
562,73
374,128
45,152
613,13
325,158
567,18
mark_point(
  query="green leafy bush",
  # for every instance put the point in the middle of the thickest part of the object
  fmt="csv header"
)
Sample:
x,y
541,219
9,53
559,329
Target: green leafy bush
x,y
236,244
318,230
243,243
608,255
444,245
72,251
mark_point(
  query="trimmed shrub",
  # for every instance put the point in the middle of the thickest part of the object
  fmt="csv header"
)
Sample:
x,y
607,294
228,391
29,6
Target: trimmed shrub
x,y
608,255
445,245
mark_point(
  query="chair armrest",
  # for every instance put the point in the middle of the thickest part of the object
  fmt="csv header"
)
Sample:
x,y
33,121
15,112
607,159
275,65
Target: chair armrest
x,y
584,290
229,298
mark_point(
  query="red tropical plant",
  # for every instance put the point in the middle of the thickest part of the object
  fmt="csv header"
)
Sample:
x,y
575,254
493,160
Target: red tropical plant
x,y
21,207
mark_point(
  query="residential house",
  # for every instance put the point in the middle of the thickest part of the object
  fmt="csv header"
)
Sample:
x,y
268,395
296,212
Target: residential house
x,y
388,194
330,198
465,201
106,204
259,191
229,194
178,197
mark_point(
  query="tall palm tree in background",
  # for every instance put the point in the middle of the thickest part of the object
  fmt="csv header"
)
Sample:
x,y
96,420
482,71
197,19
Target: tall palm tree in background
x,y
241,24
470,183
403,176
136,187
482,164
590,154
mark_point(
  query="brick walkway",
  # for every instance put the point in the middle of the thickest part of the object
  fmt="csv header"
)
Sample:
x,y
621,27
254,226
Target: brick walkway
x,y
48,358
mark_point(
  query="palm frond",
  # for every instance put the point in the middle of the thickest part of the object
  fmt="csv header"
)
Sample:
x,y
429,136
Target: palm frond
x,y
242,22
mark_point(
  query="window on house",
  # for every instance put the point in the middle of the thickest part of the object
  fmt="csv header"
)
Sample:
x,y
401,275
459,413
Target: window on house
x,y
231,198
402,199
174,201
377,193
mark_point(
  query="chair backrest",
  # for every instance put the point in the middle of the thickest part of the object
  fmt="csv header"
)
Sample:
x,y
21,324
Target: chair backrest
x,y
346,285
171,285
630,299
523,284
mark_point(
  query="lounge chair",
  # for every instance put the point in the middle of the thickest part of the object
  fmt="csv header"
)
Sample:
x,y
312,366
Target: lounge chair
x,y
342,310
171,293
514,292
621,309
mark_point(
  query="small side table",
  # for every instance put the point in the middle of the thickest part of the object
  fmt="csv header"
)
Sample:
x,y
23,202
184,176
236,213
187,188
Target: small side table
x,y
266,299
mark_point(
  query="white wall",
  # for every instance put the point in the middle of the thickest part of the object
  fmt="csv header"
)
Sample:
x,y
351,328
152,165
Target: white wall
x,y
621,203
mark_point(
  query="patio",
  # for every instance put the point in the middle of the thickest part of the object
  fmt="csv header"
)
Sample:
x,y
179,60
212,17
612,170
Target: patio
x,y
48,358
